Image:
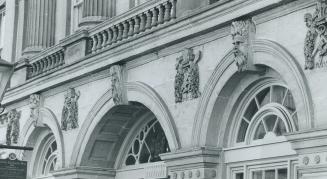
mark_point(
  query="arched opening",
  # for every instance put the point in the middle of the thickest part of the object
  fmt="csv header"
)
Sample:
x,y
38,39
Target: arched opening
x,y
128,139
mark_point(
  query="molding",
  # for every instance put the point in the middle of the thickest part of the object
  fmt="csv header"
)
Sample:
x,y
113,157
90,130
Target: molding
x,y
48,119
84,172
136,92
296,82
204,20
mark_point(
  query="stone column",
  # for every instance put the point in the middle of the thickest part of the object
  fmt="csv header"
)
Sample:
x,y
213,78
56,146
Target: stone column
x,y
95,11
40,25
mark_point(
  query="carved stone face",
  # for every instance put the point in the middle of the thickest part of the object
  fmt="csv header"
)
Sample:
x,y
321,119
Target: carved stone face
x,y
308,20
71,93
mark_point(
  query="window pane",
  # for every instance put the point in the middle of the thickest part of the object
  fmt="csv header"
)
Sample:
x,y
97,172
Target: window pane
x,y
242,131
263,97
280,128
239,176
251,110
270,174
260,132
282,173
279,94
257,175
270,122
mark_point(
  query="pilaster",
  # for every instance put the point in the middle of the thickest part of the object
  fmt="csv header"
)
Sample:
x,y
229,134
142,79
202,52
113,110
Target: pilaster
x,y
311,146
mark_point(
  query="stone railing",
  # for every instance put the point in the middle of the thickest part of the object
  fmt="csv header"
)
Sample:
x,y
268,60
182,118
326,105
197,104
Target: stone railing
x,y
153,17
46,63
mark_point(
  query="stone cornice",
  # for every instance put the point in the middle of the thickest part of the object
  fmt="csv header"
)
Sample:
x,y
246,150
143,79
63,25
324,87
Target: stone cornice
x,y
84,171
187,27
309,141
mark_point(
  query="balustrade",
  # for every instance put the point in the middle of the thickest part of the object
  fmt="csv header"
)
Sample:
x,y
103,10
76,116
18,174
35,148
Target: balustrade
x,y
46,64
128,28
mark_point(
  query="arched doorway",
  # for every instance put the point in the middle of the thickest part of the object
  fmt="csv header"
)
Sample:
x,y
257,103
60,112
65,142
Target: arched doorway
x,y
129,140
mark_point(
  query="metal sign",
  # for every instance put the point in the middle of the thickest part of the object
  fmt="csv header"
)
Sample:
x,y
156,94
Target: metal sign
x,y
12,168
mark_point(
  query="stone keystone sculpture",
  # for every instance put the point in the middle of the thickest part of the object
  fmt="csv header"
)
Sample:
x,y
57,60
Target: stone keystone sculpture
x,y
243,34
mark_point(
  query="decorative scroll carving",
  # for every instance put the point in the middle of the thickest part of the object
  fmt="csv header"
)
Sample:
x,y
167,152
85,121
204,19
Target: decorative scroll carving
x,y
187,77
117,84
243,34
315,44
69,118
13,127
34,102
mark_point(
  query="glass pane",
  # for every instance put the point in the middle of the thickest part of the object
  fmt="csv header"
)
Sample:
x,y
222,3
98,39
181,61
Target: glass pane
x,y
270,122
130,160
260,132
242,131
239,176
270,174
157,143
263,97
280,128
282,173
289,102
257,175
278,94
251,110
54,146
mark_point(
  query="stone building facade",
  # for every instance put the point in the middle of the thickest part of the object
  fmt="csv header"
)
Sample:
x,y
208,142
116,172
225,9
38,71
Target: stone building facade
x,y
180,89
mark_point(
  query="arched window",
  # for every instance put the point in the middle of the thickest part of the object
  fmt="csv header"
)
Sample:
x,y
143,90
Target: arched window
x,y
270,112
48,160
147,145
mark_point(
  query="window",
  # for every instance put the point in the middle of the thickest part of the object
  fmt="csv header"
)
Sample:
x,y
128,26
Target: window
x,y
270,174
270,113
49,157
147,145
76,14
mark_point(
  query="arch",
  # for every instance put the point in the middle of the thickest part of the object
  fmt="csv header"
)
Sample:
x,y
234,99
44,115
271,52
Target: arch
x,y
49,124
136,92
266,53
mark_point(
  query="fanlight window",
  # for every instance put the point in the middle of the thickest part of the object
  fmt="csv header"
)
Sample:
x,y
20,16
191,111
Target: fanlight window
x,y
274,96
50,158
147,145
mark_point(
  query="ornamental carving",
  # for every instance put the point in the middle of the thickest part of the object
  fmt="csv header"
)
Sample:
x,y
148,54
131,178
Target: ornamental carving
x,y
34,103
117,85
69,118
243,34
187,78
13,127
315,44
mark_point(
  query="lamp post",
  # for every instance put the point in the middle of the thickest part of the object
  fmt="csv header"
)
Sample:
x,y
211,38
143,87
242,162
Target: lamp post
x,y
6,71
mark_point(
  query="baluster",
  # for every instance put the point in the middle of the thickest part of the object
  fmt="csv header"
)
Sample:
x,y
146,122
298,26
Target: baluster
x,y
39,67
99,37
32,70
47,64
51,62
173,12
137,25
109,41
161,14
120,32
167,11
125,30
94,43
154,17
131,27
115,34
61,58
42,66
143,21
148,20
105,38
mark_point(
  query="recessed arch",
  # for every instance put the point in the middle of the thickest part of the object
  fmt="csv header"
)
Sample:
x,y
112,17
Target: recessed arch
x,y
137,92
266,53
35,135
